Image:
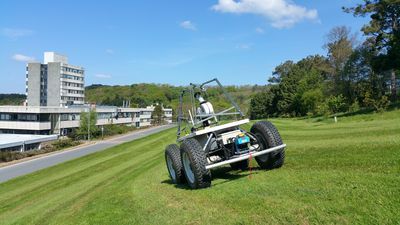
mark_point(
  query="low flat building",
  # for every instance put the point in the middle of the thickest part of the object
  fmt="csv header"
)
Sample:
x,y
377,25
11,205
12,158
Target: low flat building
x,y
167,115
23,142
61,120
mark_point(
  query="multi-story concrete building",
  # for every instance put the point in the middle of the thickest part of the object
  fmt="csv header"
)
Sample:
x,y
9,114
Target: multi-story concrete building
x,y
55,101
55,82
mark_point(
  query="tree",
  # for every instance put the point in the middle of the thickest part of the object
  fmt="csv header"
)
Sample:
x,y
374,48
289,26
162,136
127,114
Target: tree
x,y
83,130
340,43
261,105
285,76
295,89
360,76
383,31
158,114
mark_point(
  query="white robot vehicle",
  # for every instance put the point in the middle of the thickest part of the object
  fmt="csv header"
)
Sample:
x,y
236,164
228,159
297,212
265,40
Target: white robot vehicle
x,y
206,139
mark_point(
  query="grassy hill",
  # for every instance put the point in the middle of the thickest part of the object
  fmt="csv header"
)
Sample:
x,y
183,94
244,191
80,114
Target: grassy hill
x,y
12,99
344,173
142,95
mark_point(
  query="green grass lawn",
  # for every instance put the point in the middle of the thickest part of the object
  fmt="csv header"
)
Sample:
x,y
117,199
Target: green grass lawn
x,y
344,173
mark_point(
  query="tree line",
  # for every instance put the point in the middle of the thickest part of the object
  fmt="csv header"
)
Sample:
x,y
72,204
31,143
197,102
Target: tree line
x,y
142,95
12,99
351,76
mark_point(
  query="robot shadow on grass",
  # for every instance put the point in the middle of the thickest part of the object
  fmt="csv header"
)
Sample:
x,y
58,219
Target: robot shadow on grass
x,y
226,174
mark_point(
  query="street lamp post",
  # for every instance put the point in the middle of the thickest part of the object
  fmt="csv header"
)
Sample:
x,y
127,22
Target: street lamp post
x,y
88,125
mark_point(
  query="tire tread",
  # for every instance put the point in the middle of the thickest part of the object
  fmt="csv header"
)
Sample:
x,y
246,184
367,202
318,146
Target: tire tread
x,y
273,138
198,162
173,152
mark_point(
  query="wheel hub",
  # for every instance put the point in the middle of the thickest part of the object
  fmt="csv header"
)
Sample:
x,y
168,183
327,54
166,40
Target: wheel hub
x,y
171,170
188,169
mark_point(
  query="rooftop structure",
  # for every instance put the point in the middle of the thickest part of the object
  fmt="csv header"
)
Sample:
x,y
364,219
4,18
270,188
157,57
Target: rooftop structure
x,y
55,82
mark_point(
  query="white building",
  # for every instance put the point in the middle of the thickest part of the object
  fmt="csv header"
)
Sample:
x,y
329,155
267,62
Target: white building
x,y
55,101
59,120
55,82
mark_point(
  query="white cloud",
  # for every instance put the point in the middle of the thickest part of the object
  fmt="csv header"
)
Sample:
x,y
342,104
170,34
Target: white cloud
x,y
22,58
259,30
16,33
103,76
110,51
280,13
187,24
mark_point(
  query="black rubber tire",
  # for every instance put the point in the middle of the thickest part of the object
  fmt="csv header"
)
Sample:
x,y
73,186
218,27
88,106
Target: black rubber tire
x,y
198,162
172,151
269,137
241,165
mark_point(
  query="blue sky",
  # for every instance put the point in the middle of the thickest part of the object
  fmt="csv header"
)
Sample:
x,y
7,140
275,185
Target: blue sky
x,y
175,42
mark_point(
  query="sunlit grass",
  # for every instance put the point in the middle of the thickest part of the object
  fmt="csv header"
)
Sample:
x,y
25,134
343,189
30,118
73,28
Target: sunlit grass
x,y
342,173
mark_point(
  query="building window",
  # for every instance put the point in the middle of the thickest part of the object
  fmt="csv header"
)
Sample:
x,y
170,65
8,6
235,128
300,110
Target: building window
x,y
64,117
27,117
5,117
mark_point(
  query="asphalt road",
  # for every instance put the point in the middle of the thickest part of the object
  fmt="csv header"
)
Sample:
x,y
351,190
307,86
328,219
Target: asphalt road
x,y
26,167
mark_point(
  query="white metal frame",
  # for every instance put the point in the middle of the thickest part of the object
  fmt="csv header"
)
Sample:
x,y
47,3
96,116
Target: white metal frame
x,y
246,156
213,129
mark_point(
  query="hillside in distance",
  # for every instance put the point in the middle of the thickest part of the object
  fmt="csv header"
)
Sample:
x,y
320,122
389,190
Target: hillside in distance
x,y
12,99
142,95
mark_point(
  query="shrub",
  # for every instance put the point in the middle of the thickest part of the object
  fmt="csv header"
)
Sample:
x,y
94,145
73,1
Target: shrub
x,y
114,129
382,104
379,105
310,101
64,143
354,107
323,109
54,146
337,104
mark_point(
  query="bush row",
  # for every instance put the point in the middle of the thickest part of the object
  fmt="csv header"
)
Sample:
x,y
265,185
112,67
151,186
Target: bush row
x,y
109,130
8,156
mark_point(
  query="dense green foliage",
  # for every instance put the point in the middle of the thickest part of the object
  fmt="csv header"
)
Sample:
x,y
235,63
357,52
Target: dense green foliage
x,y
383,32
348,78
142,95
12,99
334,173
115,129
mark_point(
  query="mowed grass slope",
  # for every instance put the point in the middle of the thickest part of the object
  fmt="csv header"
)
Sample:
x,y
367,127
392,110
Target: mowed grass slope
x,y
344,173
